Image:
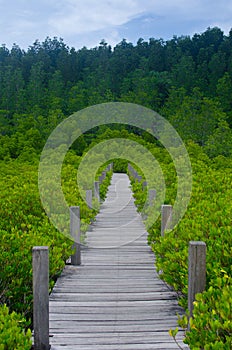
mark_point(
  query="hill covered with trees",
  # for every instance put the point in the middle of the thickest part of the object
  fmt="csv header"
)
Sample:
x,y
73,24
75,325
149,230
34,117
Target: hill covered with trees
x,y
186,79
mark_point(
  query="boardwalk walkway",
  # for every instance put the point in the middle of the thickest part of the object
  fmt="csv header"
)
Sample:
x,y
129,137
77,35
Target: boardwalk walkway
x,y
114,300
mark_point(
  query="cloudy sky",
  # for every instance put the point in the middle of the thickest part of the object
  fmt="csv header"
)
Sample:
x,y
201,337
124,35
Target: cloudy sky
x,y
85,22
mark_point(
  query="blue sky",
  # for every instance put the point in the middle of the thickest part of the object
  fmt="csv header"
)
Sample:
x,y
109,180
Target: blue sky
x,y
86,22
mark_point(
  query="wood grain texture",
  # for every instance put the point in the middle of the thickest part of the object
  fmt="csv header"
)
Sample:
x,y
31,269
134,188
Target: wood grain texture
x,y
115,299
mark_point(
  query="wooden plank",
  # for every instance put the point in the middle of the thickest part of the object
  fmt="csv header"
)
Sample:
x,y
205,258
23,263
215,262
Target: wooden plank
x,y
139,346
117,339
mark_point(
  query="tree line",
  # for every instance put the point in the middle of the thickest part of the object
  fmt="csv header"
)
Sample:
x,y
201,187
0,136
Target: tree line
x,y
186,79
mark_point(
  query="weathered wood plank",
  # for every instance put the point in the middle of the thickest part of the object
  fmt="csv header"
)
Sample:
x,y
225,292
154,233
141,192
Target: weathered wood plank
x,y
116,339
140,346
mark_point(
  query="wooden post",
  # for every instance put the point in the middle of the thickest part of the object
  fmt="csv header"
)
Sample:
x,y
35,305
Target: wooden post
x,y
89,196
166,217
151,196
132,171
144,185
103,175
96,190
75,232
40,265
196,271
109,167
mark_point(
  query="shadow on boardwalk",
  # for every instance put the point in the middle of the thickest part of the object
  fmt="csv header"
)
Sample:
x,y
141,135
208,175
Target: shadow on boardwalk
x,y
115,299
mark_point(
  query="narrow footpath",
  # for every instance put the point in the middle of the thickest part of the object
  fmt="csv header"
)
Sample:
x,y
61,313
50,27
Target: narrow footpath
x,y
115,299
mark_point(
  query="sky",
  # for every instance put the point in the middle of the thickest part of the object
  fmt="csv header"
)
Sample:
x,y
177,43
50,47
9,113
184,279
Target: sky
x,y
86,22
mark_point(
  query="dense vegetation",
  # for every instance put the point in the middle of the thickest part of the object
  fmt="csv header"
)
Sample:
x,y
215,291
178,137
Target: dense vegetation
x,y
188,80
207,219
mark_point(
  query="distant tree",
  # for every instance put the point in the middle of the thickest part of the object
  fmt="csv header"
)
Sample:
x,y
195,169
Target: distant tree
x,y
197,117
224,93
4,55
217,68
5,123
36,87
183,73
77,98
156,58
220,142
173,102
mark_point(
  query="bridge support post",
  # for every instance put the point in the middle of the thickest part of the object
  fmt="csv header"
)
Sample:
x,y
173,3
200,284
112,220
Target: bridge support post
x,y
96,190
40,265
196,271
103,175
89,197
75,233
144,185
166,217
151,196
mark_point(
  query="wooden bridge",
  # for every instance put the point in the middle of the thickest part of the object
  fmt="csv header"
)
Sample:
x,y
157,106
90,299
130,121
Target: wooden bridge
x,y
115,299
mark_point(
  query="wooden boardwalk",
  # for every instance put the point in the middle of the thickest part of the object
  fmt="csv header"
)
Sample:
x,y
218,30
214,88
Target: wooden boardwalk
x,y
115,299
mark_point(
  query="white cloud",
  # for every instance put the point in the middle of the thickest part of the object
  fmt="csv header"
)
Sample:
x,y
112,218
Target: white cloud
x,y
86,22
78,17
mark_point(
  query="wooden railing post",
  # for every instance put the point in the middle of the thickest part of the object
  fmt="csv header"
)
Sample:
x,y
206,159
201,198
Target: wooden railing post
x,y
103,175
75,232
109,167
40,265
151,196
144,185
96,190
196,271
166,217
89,197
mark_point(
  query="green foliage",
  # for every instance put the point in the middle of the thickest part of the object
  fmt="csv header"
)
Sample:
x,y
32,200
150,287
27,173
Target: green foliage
x,y
197,117
12,336
105,184
211,325
120,165
186,79
24,224
220,142
207,219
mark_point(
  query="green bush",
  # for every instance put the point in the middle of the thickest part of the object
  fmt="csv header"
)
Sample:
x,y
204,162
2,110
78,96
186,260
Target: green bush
x,y
120,165
12,336
208,219
24,224
211,325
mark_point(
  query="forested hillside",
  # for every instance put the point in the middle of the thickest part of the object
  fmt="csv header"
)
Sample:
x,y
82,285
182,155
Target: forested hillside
x,y
187,80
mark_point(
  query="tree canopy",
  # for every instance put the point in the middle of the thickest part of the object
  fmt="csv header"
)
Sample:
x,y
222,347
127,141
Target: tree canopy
x,y
186,79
